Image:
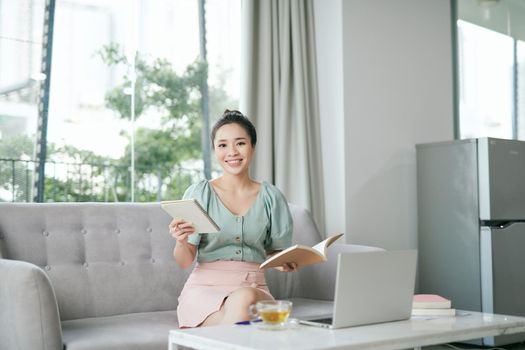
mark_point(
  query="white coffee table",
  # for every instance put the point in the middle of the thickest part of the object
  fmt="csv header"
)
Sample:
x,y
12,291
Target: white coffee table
x,y
412,333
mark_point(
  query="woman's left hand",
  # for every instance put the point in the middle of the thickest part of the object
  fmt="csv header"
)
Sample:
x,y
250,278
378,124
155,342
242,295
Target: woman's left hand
x,y
288,267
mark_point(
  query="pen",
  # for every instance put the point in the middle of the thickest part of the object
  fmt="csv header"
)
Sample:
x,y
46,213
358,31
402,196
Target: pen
x,y
248,322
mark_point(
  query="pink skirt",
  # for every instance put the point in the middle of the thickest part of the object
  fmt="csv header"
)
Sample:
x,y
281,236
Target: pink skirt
x,y
210,283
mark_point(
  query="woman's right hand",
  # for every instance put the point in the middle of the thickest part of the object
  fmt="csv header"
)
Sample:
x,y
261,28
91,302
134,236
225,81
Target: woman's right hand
x,y
181,229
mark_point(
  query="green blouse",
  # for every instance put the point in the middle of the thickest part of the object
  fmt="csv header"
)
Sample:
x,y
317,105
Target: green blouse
x,y
266,226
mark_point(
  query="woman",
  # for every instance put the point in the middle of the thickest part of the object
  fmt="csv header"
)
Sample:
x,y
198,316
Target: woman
x,y
255,222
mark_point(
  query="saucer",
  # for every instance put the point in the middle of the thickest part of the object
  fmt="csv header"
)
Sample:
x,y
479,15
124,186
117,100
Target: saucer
x,y
291,323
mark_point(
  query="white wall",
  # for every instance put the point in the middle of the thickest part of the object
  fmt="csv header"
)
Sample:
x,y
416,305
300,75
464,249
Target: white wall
x,y
397,92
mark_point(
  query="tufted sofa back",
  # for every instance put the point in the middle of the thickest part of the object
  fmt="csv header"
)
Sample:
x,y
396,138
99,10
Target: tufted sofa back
x,y
102,259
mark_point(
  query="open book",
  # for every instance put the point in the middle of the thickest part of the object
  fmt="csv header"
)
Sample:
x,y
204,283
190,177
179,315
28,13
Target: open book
x,y
300,254
191,211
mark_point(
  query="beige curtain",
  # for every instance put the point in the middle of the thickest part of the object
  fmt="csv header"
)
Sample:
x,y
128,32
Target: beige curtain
x,y
279,94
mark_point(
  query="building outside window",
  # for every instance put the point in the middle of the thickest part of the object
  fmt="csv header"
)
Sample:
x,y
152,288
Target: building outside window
x,y
123,73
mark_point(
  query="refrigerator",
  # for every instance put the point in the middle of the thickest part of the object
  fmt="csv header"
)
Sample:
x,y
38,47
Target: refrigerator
x,y
471,226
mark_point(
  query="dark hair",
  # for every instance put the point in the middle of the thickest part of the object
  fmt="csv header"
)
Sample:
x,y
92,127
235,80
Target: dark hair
x,y
235,117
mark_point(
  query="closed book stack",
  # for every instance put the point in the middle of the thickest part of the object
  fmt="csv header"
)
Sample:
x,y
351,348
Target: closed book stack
x,y
432,305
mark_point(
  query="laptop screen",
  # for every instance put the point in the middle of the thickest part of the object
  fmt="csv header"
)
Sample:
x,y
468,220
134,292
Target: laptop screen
x,y
374,287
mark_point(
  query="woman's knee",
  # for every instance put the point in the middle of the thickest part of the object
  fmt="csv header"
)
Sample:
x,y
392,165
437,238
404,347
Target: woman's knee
x,y
244,296
247,296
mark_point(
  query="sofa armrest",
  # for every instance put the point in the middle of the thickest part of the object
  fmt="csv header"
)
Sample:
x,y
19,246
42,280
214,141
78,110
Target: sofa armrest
x,y
318,281
29,316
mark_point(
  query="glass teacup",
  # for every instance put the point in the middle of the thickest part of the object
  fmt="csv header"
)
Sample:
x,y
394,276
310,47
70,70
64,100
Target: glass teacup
x,y
273,313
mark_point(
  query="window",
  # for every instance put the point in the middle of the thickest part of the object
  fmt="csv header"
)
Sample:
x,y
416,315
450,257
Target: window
x,y
486,82
21,31
491,59
520,89
125,107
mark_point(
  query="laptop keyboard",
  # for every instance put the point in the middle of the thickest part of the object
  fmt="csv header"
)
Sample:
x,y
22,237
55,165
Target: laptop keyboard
x,y
323,320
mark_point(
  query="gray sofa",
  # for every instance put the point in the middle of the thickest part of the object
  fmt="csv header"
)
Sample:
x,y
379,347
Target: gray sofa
x,y
102,276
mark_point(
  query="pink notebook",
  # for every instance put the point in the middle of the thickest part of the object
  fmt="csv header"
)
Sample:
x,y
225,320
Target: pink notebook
x,y
430,301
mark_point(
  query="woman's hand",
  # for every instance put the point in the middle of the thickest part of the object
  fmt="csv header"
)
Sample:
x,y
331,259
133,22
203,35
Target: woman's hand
x,y
181,229
288,267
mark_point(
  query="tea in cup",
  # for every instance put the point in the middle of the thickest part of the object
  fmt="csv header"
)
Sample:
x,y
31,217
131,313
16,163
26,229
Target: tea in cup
x,y
272,312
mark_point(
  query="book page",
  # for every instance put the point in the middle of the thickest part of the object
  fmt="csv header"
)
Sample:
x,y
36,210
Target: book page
x,y
430,301
433,312
321,246
299,254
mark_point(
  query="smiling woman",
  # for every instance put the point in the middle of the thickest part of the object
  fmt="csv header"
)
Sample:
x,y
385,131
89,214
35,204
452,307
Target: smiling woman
x,y
233,138
255,221
233,150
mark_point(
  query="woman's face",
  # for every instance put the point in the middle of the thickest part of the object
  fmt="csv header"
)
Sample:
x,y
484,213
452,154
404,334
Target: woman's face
x,y
233,148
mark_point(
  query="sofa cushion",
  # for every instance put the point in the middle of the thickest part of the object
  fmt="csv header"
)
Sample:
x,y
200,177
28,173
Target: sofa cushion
x,y
139,331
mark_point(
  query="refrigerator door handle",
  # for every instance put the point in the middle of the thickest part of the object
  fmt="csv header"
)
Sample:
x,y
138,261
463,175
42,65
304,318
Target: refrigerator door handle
x,y
498,224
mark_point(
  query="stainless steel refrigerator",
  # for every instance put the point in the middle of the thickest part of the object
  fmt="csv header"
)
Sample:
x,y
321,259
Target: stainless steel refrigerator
x,y
471,226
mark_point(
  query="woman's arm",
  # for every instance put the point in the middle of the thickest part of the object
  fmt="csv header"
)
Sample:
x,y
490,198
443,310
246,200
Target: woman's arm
x,y
184,252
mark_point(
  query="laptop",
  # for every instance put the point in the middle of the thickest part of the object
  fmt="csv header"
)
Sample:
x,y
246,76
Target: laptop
x,y
371,287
